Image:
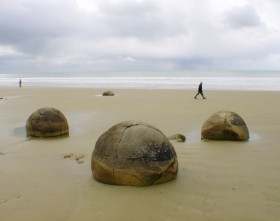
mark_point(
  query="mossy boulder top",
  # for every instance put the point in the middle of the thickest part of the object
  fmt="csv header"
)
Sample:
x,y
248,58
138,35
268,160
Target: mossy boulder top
x,y
225,125
134,153
47,122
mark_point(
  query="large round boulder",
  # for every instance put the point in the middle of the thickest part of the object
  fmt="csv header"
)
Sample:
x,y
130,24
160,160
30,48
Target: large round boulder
x,y
135,154
225,125
47,122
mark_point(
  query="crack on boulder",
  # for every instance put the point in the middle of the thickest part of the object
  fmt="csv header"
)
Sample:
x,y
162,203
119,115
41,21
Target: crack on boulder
x,y
157,179
170,166
166,171
125,128
138,178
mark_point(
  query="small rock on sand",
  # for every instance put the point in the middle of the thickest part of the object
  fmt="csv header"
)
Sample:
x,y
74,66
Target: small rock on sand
x,y
178,137
68,155
79,156
108,93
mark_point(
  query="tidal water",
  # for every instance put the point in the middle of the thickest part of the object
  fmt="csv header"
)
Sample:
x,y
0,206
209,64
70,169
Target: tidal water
x,y
189,80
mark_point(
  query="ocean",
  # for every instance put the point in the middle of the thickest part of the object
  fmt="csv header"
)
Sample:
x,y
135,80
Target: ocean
x,y
188,80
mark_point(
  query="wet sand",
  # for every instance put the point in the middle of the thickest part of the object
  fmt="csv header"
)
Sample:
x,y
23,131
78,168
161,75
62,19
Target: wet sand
x,y
216,180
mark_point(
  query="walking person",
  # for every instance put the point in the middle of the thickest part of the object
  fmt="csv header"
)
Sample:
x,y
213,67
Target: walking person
x,y
200,91
19,83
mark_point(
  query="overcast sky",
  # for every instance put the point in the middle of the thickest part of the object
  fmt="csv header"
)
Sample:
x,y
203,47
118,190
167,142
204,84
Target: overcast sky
x,y
119,35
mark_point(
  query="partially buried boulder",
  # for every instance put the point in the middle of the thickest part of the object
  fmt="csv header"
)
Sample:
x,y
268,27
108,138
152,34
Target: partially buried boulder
x,y
135,154
47,122
108,93
225,125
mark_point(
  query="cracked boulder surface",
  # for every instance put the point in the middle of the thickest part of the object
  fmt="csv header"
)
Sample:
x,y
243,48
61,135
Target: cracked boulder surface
x,y
135,154
225,125
47,122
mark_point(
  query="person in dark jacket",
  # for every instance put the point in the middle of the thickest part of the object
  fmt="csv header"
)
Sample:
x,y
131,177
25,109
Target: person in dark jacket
x,y
200,91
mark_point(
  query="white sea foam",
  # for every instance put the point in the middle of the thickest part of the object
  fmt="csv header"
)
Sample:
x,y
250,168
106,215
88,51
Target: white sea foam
x,y
267,81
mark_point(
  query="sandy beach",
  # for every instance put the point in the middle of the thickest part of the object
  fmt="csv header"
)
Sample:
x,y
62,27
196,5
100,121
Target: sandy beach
x,y
217,180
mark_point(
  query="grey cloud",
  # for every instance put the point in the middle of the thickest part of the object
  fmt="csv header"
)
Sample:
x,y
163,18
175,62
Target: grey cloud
x,y
29,25
143,19
57,35
241,17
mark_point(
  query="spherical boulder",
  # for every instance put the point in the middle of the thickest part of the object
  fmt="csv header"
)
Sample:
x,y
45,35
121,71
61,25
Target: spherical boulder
x,y
108,93
133,153
47,122
225,125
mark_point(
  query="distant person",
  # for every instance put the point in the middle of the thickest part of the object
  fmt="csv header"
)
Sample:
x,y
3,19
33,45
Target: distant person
x,y
20,83
200,91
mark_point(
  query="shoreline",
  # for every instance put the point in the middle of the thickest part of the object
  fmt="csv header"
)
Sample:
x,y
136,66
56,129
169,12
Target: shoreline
x,y
216,180
251,81
193,90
